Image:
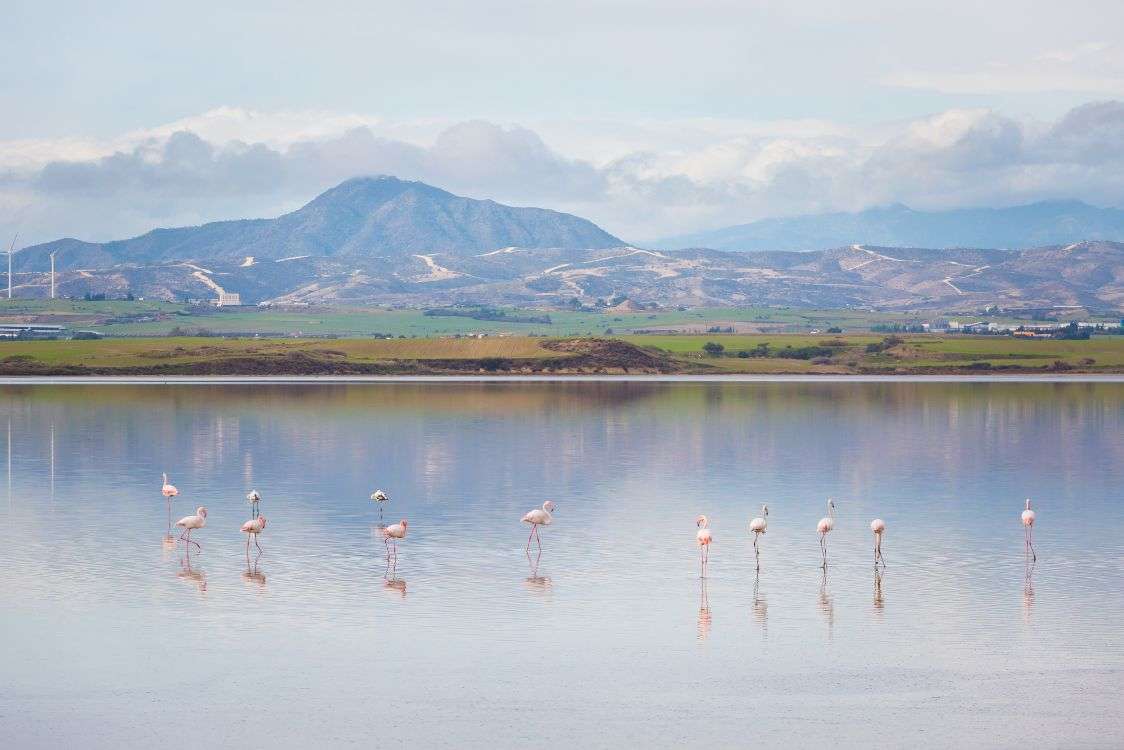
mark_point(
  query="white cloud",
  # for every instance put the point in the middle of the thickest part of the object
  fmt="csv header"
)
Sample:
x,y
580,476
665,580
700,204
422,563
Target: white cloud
x,y
638,180
1091,68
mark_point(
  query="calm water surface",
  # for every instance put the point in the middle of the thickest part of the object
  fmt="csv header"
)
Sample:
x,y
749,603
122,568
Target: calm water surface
x,y
111,638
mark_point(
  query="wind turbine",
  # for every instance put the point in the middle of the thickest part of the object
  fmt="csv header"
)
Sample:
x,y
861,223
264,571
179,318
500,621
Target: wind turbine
x,y
11,248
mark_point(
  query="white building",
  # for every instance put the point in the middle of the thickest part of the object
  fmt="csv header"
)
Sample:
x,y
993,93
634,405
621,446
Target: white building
x,y
228,299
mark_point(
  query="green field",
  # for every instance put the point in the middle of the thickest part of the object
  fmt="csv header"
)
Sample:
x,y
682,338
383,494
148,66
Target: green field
x,y
144,318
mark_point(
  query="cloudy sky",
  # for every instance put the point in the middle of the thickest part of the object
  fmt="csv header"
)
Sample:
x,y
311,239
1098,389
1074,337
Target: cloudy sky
x,y
651,118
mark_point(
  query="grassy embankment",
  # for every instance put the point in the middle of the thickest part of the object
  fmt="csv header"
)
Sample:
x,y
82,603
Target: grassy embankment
x,y
771,354
915,354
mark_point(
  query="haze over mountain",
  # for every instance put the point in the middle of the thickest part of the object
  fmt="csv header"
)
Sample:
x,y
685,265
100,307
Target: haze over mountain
x,y
362,217
1032,225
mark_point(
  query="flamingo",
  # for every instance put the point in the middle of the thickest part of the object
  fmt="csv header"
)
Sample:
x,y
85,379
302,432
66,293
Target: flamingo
x,y
253,499
1028,530
538,517
169,491
189,523
758,526
703,537
824,526
380,497
878,526
394,532
252,528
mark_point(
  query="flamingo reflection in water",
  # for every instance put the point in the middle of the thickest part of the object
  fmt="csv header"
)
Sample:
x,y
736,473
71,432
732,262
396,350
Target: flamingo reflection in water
x,y
879,600
535,582
252,575
705,620
827,605
395,586
190,574
760,606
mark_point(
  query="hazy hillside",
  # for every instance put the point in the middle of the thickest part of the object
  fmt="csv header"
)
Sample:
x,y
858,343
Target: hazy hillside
x,y
362,217
1034,225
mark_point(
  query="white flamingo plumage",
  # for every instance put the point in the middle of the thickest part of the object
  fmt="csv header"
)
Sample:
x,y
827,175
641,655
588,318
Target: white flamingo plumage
x,y
1029,517
703,538
391,535
824,527
253,528
254,498
168,490
538,517
878,526
381,498
190,523
759,526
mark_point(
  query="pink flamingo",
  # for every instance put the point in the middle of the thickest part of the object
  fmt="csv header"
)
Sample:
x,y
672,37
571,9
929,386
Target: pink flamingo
x,y
825,525
1028,530
252,528
190,523
169,491
391,535
703,537
878,526
538,517
758,526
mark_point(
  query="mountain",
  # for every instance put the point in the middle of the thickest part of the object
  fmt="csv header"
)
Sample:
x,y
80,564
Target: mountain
x,y
361,218
1033,225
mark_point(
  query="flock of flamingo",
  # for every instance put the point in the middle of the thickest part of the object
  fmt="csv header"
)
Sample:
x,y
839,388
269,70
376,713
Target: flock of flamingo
x,y
760,525
543,517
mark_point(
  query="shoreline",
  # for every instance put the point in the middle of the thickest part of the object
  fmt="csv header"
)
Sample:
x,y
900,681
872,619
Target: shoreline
x,y
668,378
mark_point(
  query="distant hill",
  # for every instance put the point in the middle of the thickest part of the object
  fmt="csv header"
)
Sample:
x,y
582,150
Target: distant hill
x,y
362,217
1086,274
1033,225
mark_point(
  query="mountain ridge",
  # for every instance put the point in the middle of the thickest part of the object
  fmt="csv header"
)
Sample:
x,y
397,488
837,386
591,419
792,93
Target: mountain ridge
x,y
896,225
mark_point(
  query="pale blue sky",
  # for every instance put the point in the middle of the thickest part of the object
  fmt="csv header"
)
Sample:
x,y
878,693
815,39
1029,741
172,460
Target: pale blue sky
x,y
688,114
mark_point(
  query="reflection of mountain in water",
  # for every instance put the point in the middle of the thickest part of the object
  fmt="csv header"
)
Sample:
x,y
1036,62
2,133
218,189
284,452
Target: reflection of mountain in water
x,y
475,441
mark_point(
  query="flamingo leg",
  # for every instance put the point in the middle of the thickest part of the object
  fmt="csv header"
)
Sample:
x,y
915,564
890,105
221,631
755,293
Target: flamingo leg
x,y
823,549
186,537
529,537
756,550
256,544
538,538
1030,543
